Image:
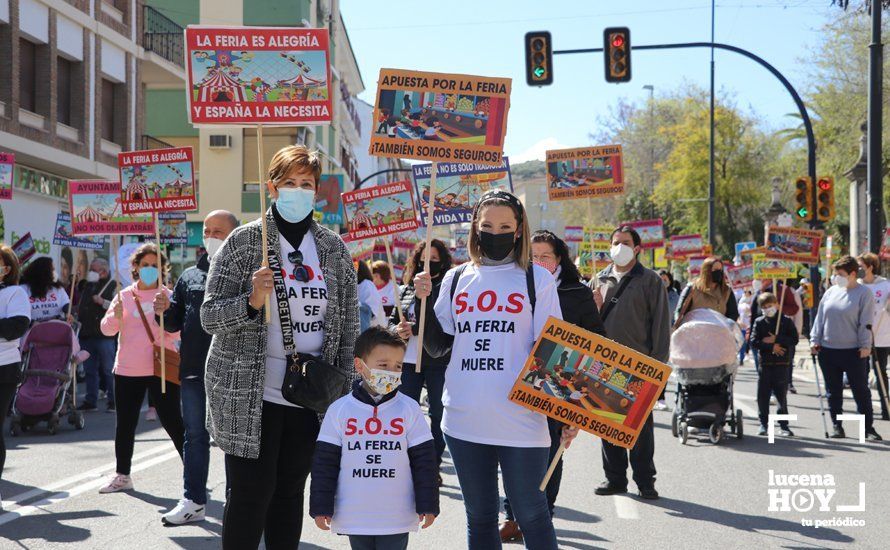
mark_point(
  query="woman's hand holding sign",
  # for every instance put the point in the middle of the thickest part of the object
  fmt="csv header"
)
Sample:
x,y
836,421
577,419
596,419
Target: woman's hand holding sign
x,y
569,433
423,285
404,330
262,284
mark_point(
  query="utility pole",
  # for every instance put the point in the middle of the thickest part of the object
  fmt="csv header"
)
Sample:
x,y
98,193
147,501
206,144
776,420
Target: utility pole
x,y
875,156
711,185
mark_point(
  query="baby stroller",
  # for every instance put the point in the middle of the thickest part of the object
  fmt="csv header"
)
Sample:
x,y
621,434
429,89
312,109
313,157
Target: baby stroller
x,y
50,355
704,354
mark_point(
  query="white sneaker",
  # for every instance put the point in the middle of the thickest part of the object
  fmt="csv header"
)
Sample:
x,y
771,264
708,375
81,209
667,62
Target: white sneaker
x,y
184,512
119,483
660,405
102,395
151,414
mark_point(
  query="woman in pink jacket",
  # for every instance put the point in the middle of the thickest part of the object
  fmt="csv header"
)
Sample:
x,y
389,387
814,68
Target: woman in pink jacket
x,y
134,364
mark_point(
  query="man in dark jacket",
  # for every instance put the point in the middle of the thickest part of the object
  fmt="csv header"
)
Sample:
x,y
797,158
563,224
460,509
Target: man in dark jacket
x,y
96,292
633,305
182,312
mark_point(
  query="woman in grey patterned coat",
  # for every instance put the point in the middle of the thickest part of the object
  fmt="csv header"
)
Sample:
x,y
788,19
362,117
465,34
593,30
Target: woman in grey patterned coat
x,y
269,441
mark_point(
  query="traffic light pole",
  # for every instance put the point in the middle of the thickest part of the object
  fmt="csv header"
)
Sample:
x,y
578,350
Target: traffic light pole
x,y
875,157
805,117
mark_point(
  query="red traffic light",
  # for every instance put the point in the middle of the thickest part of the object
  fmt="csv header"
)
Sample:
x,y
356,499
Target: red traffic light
x,y
824,185
617,40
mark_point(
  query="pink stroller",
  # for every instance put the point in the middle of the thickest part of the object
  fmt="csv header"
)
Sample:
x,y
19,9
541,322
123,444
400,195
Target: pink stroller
x,y
50,354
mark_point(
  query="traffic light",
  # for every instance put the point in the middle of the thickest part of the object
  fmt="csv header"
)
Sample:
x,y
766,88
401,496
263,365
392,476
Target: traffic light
x,y
803,195
538,58
825,199
616,46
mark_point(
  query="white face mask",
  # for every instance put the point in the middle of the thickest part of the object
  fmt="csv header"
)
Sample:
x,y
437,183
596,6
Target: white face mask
x,y
770,311
757,285
839,281
92,277
381,382
621,254
212,246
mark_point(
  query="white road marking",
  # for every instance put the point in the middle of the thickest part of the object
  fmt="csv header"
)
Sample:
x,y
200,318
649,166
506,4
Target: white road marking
x,y
625,507
100,472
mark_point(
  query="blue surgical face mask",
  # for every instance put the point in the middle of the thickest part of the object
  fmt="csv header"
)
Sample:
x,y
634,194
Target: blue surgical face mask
x,y
148,275
294,204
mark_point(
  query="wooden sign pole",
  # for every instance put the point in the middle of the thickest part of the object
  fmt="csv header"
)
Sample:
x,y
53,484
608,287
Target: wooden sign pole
x,y
430,212
553,463
262,182
161,338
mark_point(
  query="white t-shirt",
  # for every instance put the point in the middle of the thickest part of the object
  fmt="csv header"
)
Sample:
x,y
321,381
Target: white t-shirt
x,y
881,324
13,303
387,293
308,305
370,296
491,319
375,489
50,306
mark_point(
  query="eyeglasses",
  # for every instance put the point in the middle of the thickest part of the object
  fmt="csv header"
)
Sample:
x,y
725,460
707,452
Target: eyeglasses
x,y
300,273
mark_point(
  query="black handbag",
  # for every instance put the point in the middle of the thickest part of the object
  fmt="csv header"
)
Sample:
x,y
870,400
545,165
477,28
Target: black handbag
x,y
309,381
312,382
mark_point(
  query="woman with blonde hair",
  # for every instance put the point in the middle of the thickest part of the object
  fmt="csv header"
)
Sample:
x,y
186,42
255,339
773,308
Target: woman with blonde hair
x,y
710,290
131,315
488,314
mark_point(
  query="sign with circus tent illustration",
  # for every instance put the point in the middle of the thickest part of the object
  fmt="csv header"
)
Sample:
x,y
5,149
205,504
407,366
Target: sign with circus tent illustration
x,y
242,76
95,208
458,188
157,180
382,210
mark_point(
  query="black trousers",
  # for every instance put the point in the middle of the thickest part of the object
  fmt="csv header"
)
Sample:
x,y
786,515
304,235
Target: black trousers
x,y
265,494
129,393
642,459
834,363
882,354
773,380
7,392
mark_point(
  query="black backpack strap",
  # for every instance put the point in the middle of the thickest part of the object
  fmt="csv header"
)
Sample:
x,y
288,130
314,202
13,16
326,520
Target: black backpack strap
x,y
614,300
530,286
456,279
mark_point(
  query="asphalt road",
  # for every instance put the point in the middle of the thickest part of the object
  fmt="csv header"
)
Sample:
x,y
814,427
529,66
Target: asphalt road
x,y
712,495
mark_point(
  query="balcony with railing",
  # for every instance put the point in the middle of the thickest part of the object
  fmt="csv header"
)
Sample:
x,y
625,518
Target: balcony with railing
x,y
162,40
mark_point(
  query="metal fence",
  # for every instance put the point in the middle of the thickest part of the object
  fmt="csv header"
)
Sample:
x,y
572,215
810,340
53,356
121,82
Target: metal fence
x,y
162,36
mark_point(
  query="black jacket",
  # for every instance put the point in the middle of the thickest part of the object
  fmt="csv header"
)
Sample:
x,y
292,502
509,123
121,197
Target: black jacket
x,y
185,315
326,469
578,307
89,313
787,338
407,302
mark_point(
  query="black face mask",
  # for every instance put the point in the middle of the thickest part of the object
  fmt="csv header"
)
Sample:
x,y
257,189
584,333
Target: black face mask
x,y
496,247
717,276
435,268
860,273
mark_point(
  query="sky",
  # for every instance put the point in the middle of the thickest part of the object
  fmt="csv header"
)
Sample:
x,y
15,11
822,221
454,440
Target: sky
x,y
486,38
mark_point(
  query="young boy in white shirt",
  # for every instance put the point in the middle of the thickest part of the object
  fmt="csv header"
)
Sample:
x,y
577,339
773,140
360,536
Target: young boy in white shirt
x,y
374,473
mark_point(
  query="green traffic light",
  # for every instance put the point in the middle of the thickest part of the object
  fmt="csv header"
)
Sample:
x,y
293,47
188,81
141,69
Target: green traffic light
x,y
802,212
539,72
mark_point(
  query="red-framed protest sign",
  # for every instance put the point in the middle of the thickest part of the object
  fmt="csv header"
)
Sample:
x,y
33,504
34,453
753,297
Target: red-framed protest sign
x,y
584,172
792,244
7,162
157,180
243,76
651,232
95,208
382,210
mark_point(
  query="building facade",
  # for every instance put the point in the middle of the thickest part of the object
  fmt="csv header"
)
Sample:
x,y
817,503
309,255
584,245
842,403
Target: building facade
x,y
71,98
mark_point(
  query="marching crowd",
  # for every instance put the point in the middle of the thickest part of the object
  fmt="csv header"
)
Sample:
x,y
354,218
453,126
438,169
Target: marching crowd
x,y
300,363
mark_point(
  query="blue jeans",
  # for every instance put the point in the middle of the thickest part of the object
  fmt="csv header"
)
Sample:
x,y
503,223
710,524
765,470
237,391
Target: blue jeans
x,y
196,448
412,383
523,468
379,542
100,363
552,491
